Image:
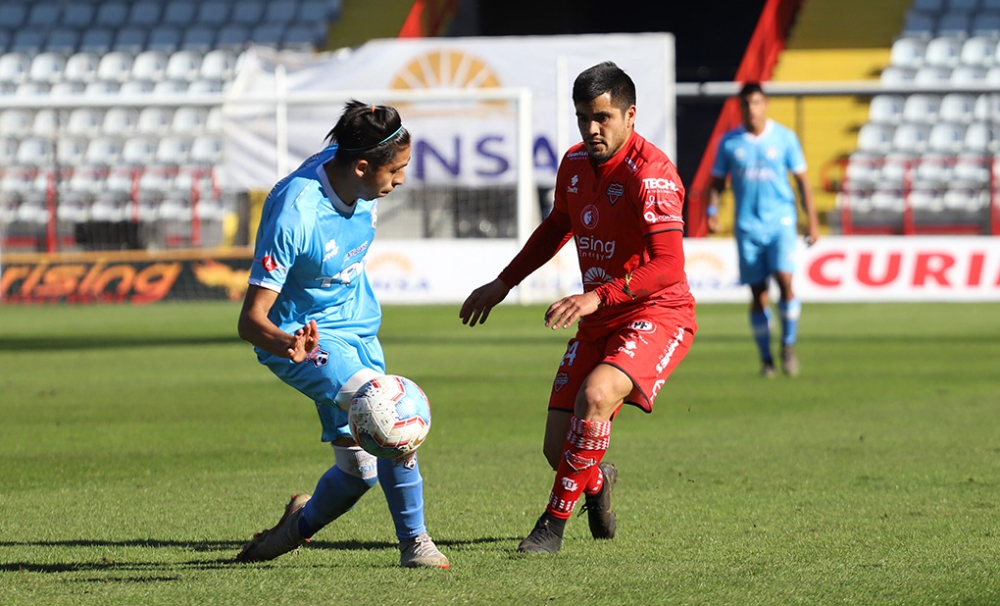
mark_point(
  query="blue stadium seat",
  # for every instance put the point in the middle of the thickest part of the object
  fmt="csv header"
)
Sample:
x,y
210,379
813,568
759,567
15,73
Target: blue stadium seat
x,y
145,13
919,24
962,5
213,13
97,40
199,38
165,38
111,14
28,41
5,39
44,14
63,40
312,11
268,34
986,23
304,37
929,6
281,11
131,38
233,36
179,12
12,15
248,13
954,23
78,15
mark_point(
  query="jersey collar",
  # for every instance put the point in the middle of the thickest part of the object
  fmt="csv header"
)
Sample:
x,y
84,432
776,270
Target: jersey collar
x,y
324,181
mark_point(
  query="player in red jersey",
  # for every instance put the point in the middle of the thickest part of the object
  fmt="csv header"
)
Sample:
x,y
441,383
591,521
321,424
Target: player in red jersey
x,y
621,199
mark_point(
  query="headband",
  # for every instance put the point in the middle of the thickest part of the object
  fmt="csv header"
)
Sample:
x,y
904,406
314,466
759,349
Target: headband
x,y
368,147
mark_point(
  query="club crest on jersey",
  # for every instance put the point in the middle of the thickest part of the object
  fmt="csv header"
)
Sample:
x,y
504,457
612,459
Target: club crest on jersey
x,y
589,216
562,379
318,357
268,263
615,191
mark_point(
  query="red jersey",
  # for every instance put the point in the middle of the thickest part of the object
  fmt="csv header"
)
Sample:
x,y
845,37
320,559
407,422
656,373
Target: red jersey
x,y
613,207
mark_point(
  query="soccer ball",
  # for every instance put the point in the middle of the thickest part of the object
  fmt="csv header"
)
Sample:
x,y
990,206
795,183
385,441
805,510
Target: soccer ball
x,y
389,416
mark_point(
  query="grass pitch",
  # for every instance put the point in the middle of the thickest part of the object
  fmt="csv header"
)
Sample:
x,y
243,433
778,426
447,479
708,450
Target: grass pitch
x,y
141,446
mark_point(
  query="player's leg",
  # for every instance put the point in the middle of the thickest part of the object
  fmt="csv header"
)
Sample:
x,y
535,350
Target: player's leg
x,y
754,272
789,307
404,492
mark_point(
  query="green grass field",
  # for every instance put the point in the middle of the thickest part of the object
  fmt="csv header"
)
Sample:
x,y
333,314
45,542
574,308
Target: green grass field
x,y
141,446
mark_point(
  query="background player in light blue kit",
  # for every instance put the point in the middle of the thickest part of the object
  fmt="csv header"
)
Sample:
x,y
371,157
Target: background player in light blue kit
x,y
312,316
757,156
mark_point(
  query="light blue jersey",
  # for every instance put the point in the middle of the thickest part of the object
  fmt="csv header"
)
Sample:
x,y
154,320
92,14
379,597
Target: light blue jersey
x,y
758,166
311,249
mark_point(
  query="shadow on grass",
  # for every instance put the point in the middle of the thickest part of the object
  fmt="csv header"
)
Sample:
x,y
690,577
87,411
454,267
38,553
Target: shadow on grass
x,y
45,343
106,564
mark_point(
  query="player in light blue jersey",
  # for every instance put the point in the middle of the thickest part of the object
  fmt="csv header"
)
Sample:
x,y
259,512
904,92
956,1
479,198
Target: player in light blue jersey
x,y
313,318
757,157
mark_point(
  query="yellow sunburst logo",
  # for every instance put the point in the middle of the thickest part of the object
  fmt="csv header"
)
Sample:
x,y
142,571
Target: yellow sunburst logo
x,y
448,69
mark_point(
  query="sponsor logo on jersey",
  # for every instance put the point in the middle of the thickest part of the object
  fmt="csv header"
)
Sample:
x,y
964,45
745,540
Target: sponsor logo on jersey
x,y
652,218
669,353
589,216
562,379
630,163
572,184
595,248
578,155
628,349
659,183
331,250
656,389
356,251
596,275
615,191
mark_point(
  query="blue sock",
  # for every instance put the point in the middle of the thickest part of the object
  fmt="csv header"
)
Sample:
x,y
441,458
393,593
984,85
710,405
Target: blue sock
x,y
335,494
404,492
760,324
790,312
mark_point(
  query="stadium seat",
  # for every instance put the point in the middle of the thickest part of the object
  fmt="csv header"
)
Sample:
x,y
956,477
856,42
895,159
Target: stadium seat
x,y
137,87
84,121
946,138
165,38
13,15
81,67
971,170
64,40
102,87
78,15
14,67
248,13
932,171
183,65
16,121
67,88
896,167
213,13
206,150
921,108
965,76
926,200
104,151
908,52
886,109
202,85
87,179
8,149
931,76
47,67
111,14
199,38
46,123
173,150
149,65
875,138
32,88
897,76
929,6
120,122
313,11
71,151
919,24
233,36
943,51
281,12
986,23
302,37
29,41
957,108
154,120
130,38
965,200
35,151
981,138
887,201
911,138
179,13
189,121
145,13
115,66
987,108
218,64
862,170
97,40
213,122
954,23
170,87
73,207
43,15
978,51
268,34
139,150
962,5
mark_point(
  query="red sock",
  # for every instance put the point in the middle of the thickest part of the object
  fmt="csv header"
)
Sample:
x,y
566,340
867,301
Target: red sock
x,y
586,443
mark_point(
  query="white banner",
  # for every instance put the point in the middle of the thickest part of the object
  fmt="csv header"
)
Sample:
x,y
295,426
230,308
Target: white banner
x,y
450,147
836,269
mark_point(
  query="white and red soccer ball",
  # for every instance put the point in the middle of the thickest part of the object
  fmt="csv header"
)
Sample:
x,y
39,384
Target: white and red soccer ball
x,y
389,416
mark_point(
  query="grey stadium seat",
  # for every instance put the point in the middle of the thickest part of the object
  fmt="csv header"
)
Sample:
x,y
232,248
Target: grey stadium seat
x,y
81,67
47,67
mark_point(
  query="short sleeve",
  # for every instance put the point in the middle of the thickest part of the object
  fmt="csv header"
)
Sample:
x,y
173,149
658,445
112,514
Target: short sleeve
x,y
720,167
796,159
275,253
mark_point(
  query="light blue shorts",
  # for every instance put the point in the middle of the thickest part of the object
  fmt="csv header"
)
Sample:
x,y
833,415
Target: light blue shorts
x,y
337,358
762,255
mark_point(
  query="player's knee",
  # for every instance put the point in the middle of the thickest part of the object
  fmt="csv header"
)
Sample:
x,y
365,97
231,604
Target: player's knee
x,y
354,461
351,387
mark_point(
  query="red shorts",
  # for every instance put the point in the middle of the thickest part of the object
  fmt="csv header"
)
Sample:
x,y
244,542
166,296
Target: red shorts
x,y
647,347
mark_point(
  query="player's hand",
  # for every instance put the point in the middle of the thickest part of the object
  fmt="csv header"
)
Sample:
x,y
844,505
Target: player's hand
x,y
566,311
713,225
477,306
303,342
812,236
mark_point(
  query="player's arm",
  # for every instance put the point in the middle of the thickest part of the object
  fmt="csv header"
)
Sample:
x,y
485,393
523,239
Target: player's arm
x,y
808,206
551,235
715,189
254,326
